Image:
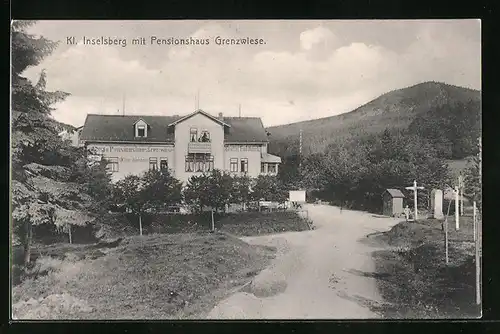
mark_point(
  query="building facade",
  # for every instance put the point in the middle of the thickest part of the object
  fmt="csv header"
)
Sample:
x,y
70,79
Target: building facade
x,y
72,135
185,145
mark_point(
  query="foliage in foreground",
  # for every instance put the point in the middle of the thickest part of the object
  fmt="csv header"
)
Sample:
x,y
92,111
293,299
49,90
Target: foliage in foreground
x,y
46,186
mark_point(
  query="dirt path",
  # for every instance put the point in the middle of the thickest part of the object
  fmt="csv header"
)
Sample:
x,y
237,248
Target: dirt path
x,y
326,273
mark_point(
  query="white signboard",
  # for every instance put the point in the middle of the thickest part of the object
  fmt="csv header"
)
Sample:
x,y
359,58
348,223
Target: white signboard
x,y
297,196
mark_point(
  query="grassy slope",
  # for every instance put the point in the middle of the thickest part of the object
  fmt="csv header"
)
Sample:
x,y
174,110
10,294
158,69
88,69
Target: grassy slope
x,y
395,109
414,279
149,277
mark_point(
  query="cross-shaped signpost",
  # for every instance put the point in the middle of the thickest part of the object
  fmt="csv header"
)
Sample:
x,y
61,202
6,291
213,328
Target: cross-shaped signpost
x,y
414,188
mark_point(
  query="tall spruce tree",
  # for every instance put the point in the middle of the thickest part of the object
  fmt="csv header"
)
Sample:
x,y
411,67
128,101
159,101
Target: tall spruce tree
x,y
42,191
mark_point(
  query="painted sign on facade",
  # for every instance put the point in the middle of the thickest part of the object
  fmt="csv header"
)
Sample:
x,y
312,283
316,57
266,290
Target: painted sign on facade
x,y
132,149
242,148
132,159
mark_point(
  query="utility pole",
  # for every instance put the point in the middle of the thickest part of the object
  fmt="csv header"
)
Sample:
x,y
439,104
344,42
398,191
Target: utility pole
x,y
197,106
414,188
457,208
239,110
300,149
123,107
461,188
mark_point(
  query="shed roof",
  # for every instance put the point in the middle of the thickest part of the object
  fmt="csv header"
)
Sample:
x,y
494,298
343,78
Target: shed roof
x,y
395,193
266,157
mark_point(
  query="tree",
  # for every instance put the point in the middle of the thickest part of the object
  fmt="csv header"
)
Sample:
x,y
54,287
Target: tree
x,y
241,192
340,170
209,190
269,188
161,189
129,192
196,192
220,186
359,170
289,173
94,178
33,134
452,128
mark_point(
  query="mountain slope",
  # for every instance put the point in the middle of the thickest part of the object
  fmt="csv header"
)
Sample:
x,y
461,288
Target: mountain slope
x,y
395,110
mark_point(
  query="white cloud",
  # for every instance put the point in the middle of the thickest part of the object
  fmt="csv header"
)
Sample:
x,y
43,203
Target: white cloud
x,y
281,85
312,37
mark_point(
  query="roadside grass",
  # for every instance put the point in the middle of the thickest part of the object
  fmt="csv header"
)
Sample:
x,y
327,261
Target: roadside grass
x,y
414,279
158,276
260,223
238,224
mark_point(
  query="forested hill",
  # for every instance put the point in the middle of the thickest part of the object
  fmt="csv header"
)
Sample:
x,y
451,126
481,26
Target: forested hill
x,y
449,116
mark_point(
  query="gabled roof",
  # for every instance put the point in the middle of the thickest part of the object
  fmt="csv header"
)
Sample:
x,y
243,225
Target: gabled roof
x,y
245,129
395,193
140,119
121,128
199,111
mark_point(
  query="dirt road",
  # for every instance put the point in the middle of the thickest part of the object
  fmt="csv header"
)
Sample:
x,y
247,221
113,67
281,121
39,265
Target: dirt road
x,y
319,274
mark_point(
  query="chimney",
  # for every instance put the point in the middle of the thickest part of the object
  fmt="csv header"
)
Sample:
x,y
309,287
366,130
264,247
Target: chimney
x,y
221,117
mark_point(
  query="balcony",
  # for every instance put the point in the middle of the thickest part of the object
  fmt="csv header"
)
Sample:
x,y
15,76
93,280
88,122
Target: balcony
x,y
197,147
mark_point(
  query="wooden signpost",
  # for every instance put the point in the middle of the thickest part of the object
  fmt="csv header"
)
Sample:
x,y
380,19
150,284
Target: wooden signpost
x,y
457,209
446,233
414,188
213,224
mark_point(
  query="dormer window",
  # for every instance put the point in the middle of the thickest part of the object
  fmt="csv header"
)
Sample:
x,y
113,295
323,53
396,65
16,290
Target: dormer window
x,y
141,129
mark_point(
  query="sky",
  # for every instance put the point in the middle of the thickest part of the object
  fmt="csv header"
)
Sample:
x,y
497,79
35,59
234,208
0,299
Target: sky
x,y
301,69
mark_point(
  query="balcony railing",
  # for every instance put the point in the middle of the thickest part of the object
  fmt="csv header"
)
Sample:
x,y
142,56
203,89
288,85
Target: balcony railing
x,y
197,147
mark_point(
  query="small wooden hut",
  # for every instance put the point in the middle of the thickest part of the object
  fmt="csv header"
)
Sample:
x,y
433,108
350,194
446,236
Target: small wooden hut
x,y
393,202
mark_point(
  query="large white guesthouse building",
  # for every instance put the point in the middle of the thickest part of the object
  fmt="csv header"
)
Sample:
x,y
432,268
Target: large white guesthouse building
x,y
185,145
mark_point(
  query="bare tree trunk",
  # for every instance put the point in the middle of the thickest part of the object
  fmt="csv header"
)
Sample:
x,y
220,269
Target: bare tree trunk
x,y
27,243
140,224
69,233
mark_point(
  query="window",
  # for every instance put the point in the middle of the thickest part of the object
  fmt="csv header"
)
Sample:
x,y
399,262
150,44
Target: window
x,y
233,164
262,168
112,164
205,136
163,163
189,163
271,168
210,163
193,134
199,162
141,131
244,165
153,163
